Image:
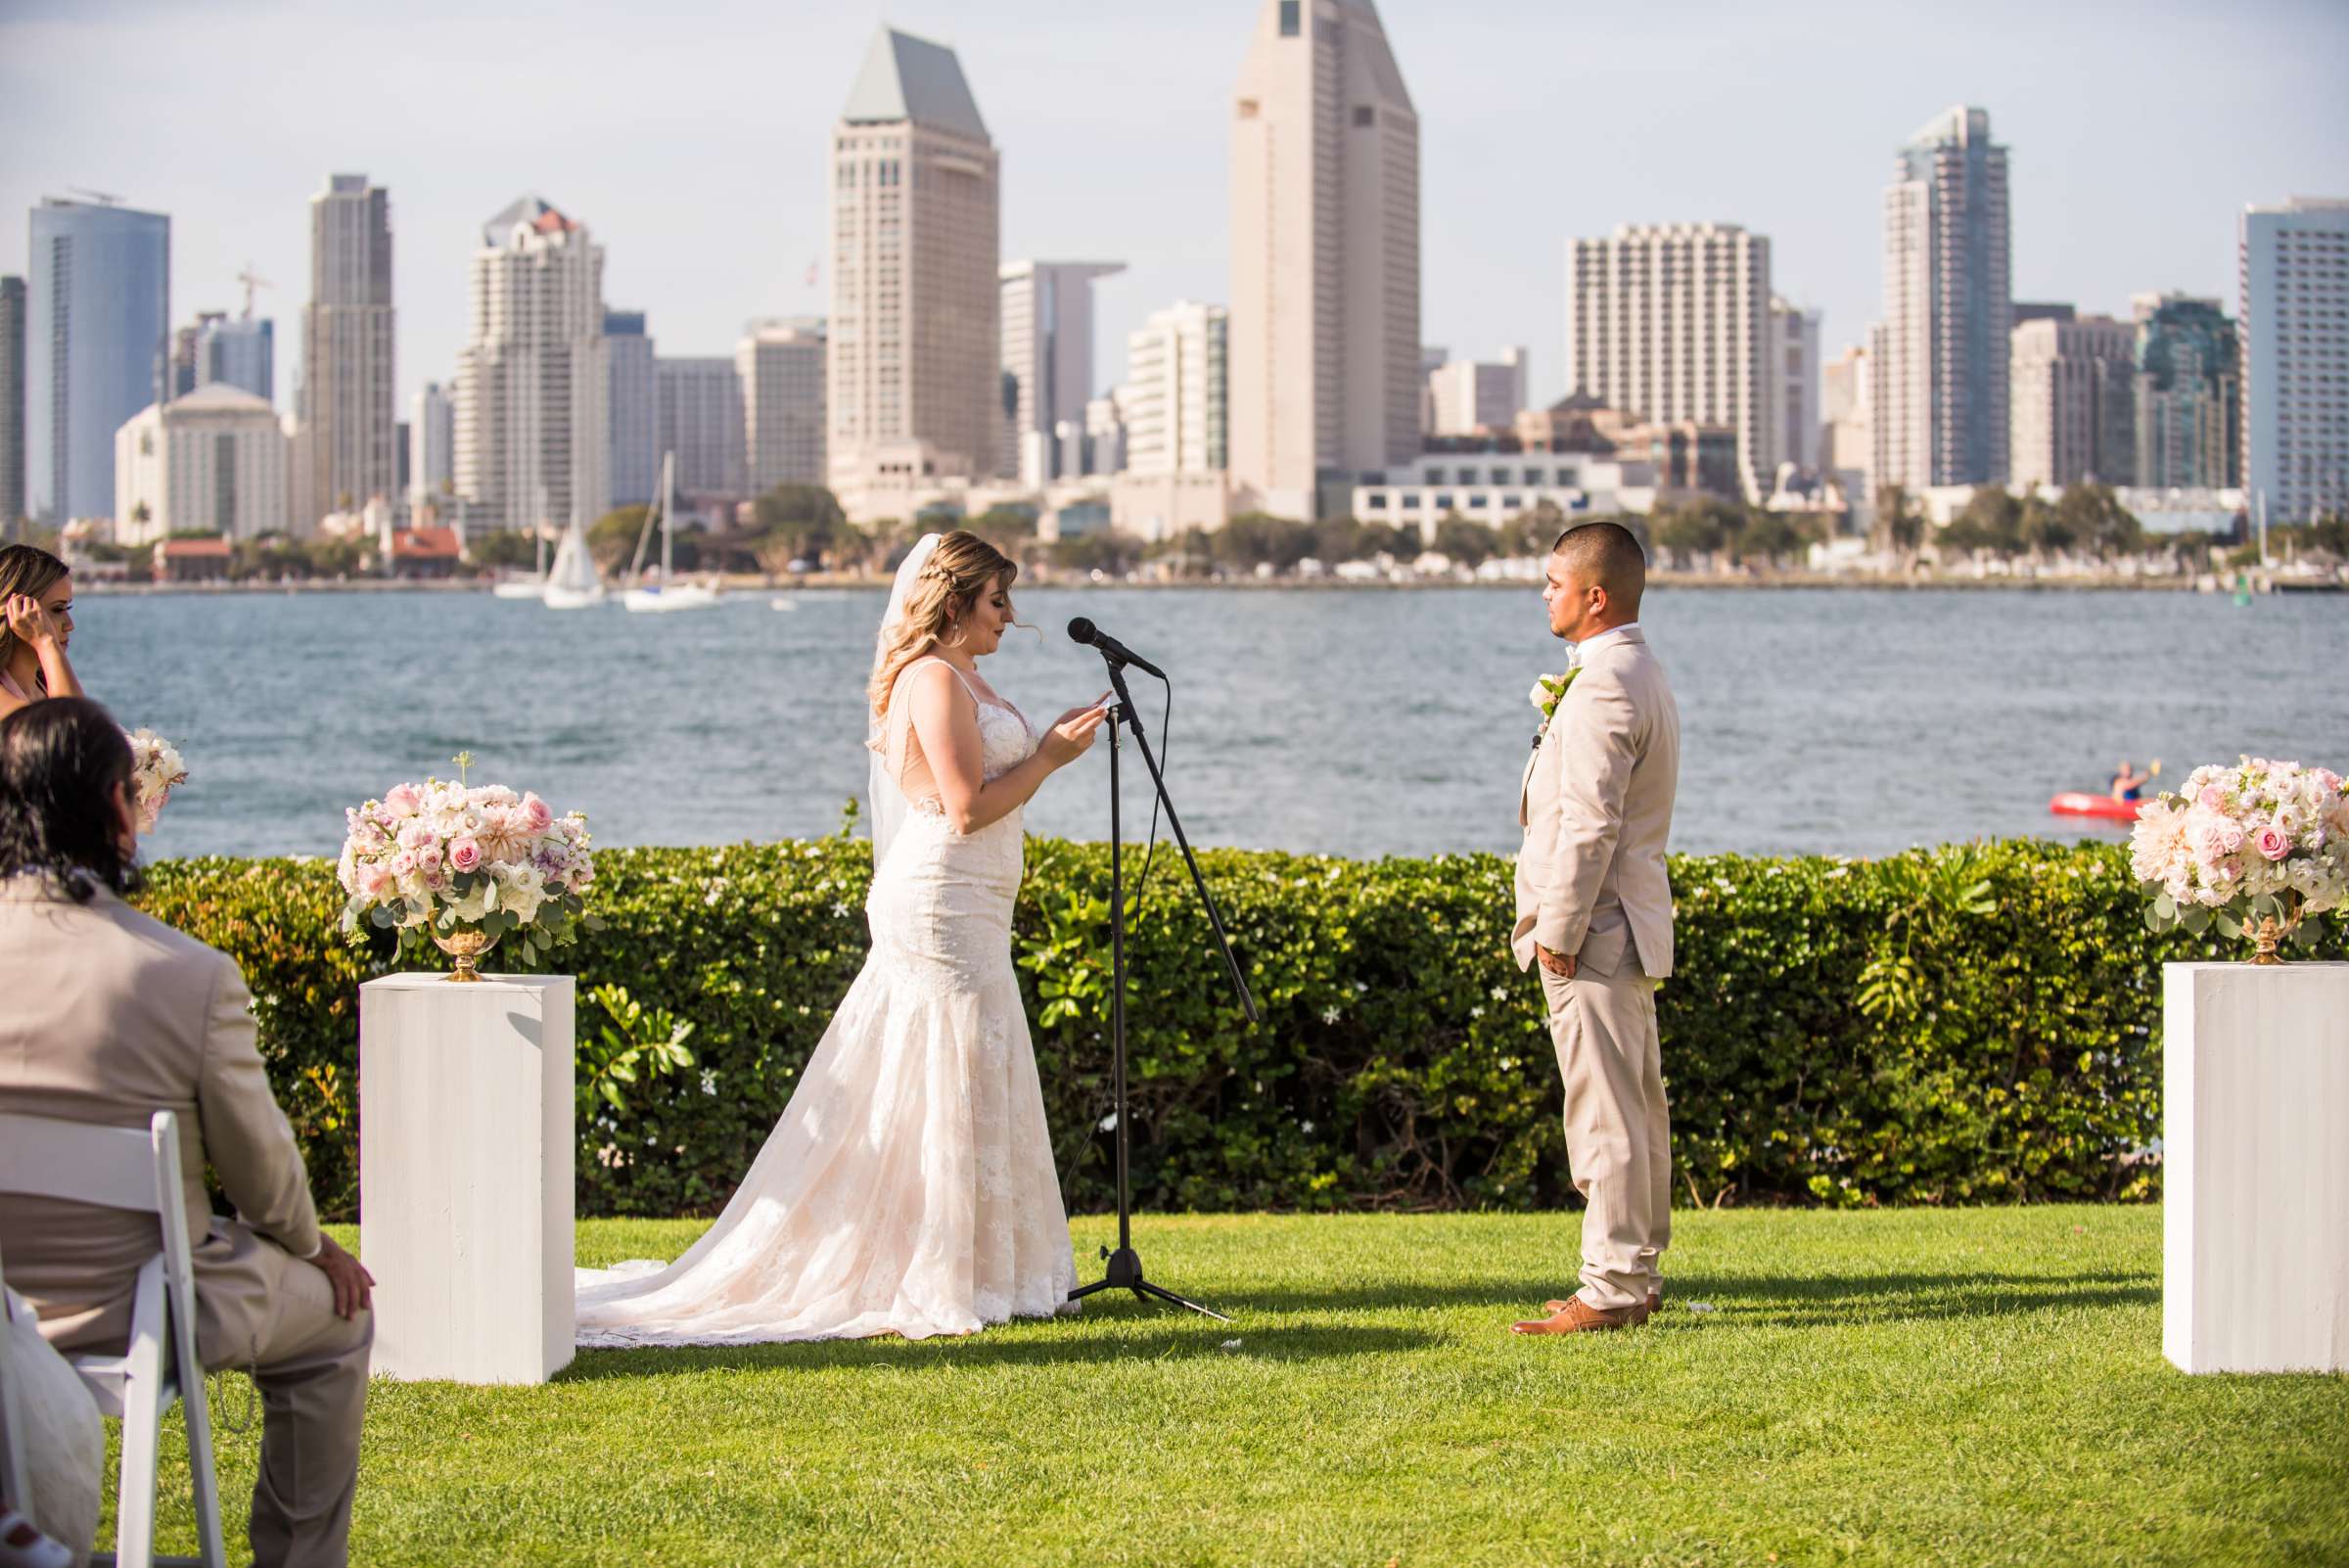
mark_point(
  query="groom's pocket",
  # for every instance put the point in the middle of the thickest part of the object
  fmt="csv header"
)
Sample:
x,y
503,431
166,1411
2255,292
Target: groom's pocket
x,y
1603,945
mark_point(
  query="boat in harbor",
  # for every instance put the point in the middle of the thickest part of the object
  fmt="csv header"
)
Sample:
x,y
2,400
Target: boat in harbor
x,y
532,586
667,594
573,583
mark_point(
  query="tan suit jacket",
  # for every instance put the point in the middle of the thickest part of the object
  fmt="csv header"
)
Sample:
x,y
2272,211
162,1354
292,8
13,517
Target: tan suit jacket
x,y
109,1016
1597,808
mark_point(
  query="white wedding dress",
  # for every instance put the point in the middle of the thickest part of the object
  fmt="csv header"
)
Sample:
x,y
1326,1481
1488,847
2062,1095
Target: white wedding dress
x,y
909,1186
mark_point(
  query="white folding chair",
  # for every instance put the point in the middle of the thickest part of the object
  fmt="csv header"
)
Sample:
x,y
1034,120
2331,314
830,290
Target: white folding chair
x,y
123,1168
16,1483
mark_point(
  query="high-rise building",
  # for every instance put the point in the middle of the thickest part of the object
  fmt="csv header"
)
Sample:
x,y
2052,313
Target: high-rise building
x,y
1672,323
1467,397
697,410
2293,262
633,404
97,343
211,462
1047,335
1941,353
432,445
182,375
12,404
531,428
1795,371
914,356
1176,391
1325,351
2073,401
781,367
2189,395
346,402
1847,436
241,352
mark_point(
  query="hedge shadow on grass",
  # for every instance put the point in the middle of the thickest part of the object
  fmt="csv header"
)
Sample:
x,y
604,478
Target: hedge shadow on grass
x,y
1778,1301
1039,1347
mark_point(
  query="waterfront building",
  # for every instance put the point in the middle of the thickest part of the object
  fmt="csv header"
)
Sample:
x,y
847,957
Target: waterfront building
x,y
1176,391
532,434
12,404
1940,356
1847,433
97,335
346,401
1672,323
1496,486
913,351
211,462
1469,395
432,445
1325,362
1048,359
2293,266
1795,371
780,365
2073,401
698,415
630,404
2189,395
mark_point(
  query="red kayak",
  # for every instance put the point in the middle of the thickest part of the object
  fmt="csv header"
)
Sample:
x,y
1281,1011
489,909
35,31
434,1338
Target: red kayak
x,y
2078,802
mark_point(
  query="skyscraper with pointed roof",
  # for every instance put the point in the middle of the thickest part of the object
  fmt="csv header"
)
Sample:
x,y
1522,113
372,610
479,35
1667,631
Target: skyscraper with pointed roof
x,y
533,435
913,388
1325,371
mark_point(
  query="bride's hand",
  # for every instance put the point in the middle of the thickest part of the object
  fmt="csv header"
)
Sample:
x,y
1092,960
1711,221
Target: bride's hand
x,y
1072,734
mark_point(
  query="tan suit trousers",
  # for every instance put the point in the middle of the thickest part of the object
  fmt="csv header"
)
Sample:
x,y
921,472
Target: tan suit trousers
x,y
1618,1125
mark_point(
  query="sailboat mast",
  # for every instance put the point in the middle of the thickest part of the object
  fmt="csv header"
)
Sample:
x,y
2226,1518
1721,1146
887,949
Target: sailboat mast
x,y
669,505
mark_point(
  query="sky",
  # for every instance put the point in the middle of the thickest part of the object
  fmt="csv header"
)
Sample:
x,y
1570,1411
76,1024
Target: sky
x,y
691,136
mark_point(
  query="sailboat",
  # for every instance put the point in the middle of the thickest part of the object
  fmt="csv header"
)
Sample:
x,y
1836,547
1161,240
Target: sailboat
x,y
572,582
668,594
534,585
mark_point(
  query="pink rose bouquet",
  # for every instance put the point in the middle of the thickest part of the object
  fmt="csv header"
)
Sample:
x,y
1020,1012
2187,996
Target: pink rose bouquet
x,y
2239,846
434,859
156,769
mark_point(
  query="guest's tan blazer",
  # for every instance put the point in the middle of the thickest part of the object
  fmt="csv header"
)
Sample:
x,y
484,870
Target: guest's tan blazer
x,y
1597,808
107,1016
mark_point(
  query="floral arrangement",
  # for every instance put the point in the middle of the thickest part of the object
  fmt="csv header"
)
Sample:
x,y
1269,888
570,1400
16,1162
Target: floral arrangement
x,y
1545,696
2253,849
156,770
437,858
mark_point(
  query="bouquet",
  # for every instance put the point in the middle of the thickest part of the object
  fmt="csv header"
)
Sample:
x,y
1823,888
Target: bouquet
x,y
2253,849
156,770
435,860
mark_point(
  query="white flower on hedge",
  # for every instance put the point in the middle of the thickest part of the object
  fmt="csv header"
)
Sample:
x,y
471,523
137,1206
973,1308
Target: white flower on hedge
x,y
1329,1015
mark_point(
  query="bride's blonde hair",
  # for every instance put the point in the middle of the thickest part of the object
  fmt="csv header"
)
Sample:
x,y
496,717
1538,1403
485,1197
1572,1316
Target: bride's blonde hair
x,y
963,566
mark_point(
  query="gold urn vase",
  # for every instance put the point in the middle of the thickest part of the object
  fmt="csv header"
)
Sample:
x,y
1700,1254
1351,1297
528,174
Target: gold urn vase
x,y
465,946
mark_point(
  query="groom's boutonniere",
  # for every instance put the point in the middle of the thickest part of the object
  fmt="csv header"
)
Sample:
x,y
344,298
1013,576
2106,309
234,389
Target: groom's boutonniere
x,y
1546,692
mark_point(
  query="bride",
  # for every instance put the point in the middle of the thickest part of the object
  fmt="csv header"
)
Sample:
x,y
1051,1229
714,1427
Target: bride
x,y
908,1187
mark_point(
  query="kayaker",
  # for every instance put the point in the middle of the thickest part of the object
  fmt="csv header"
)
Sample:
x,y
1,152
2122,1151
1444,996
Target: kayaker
x,y
2129,782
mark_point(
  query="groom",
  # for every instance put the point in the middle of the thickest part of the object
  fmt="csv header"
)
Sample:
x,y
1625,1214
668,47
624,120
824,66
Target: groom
x,y
1594,912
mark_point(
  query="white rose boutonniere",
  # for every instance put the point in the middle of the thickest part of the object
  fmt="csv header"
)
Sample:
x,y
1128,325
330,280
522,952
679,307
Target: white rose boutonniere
x,y
1545,696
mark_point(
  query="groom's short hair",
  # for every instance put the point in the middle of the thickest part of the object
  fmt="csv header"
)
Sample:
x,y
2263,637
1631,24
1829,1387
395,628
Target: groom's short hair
x,y
1609,555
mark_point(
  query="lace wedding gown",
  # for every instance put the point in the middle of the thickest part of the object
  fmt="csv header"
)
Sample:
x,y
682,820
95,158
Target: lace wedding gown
x,y
909,1186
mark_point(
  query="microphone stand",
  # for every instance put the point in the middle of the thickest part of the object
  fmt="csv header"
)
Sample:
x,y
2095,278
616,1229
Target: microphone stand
x,y
1124,1264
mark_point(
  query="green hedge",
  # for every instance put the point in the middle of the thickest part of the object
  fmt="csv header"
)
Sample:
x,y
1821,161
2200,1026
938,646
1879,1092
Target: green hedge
x,y
1974,1024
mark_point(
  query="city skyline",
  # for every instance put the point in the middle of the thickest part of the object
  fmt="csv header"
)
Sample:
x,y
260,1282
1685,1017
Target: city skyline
x,y
1082,110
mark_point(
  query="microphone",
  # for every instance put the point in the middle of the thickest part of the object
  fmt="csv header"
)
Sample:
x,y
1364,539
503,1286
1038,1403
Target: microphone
x,y
1116,652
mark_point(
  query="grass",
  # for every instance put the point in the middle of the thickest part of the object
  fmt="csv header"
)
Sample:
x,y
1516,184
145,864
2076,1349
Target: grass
x,y
1946,1387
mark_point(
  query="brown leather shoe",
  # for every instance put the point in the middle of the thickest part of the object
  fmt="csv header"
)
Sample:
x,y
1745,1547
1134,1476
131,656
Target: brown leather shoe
x,y
1640,1314
1578,1317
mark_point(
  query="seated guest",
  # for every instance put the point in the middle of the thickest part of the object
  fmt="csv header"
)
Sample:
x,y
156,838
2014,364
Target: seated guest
x,y
110,1017
36,621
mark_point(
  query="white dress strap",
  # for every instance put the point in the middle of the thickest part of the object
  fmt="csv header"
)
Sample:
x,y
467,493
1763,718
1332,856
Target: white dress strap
x,y
949,664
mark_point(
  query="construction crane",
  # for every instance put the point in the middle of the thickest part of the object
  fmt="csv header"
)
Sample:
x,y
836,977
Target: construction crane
x,y
251,280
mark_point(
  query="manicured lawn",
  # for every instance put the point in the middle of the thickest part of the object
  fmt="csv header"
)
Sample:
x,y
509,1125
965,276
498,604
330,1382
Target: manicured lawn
x,y
1980,1386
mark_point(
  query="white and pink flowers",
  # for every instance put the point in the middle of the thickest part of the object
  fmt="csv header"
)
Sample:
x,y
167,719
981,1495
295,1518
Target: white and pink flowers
x,y
2236,845
156,769
439,858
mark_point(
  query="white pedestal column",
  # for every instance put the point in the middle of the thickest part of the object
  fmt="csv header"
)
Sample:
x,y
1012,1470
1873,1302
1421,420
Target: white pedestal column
x,y
466,1150
2255,1168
